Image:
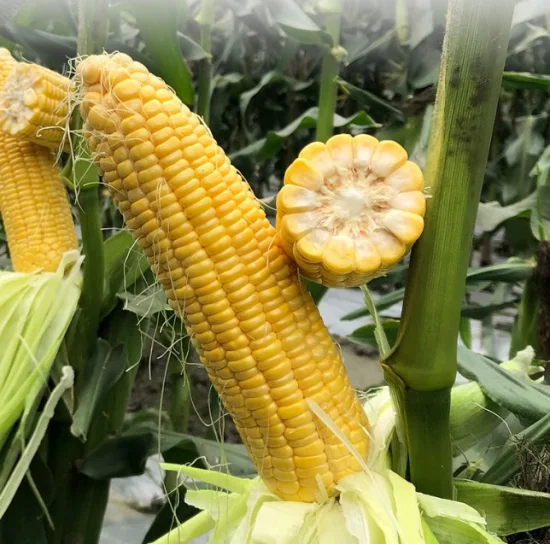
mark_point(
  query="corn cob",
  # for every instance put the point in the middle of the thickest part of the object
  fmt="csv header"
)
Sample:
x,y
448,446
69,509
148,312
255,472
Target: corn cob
x,y
35,210
255,327
7,64
34,105
350,209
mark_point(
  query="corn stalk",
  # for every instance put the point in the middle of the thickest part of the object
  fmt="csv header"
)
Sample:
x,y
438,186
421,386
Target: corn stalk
x,y
329,72
423,362
205,19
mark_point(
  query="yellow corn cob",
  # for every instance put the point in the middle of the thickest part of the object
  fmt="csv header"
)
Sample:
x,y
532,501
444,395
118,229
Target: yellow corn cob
x,y
254,325
34,105
34,204
35,210
350,209
7,63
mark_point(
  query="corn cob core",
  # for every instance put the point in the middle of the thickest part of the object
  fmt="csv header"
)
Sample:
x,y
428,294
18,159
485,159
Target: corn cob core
x,y
255,327
350,209
35,209
34,105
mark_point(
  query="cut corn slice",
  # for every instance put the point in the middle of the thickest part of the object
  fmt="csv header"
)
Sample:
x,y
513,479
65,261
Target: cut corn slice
x,y
255,326
35,105
350,209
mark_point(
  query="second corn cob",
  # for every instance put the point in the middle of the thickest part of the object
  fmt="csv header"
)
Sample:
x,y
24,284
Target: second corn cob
x,y
35,209
256,328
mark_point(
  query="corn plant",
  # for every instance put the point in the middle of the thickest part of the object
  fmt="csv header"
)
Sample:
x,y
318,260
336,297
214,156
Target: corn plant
x,y
317,462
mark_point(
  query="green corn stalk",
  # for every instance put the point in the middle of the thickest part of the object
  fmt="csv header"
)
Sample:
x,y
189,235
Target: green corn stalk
x,y
205,20
423,362
329,72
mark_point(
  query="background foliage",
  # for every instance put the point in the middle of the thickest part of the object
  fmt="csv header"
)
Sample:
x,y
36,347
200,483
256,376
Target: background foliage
x,y
262,60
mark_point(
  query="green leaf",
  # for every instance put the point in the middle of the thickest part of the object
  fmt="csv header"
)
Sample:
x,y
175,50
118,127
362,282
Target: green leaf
x,y
54,50
190,49
152,301
367,99
118,457
540,216
184,448
507,510
479,311
316,290
365,335
125,263
511,272
455,531
158,26
268,79
104,369
509,461
364,46
23,521
268,147
522,398
525,80
491,215
295,23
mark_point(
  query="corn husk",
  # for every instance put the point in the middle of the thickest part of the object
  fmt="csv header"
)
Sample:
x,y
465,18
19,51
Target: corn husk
x,y
374,506
35,312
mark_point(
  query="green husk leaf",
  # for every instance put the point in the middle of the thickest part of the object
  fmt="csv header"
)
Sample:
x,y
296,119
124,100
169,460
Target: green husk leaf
x,y
35,312
456,531
406,511
222,480
507,510
434,507
188,531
